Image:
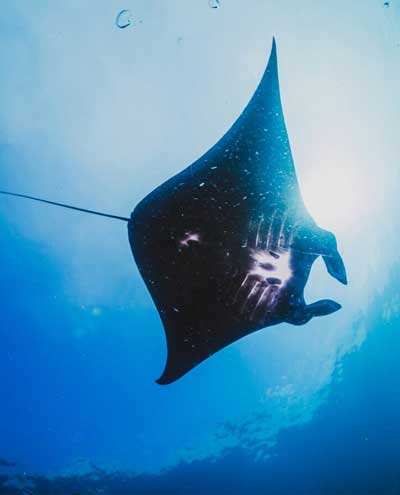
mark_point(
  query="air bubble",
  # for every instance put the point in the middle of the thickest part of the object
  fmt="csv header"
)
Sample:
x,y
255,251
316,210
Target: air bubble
x,y
124,19
214,4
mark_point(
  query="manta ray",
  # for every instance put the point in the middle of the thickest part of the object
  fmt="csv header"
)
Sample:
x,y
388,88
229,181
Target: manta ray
x,y
226,246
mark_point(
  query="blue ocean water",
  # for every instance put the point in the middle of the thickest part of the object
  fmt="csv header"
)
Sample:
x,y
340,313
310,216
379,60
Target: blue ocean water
x,y
95,115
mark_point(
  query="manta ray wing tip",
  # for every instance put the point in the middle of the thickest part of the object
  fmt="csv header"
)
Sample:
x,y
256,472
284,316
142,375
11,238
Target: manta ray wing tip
x,y
160,381
172,371
165,379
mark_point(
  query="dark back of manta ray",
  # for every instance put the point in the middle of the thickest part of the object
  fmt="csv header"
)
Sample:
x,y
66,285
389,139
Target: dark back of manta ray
x,y
226,246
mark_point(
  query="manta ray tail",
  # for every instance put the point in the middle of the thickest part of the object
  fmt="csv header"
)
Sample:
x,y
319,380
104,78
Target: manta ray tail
x,y
85,210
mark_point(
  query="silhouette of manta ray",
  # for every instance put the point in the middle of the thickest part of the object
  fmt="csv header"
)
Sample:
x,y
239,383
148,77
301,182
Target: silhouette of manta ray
x,y
226,246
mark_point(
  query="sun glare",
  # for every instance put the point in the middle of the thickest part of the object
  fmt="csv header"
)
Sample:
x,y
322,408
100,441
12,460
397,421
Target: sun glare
x,y
334,197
